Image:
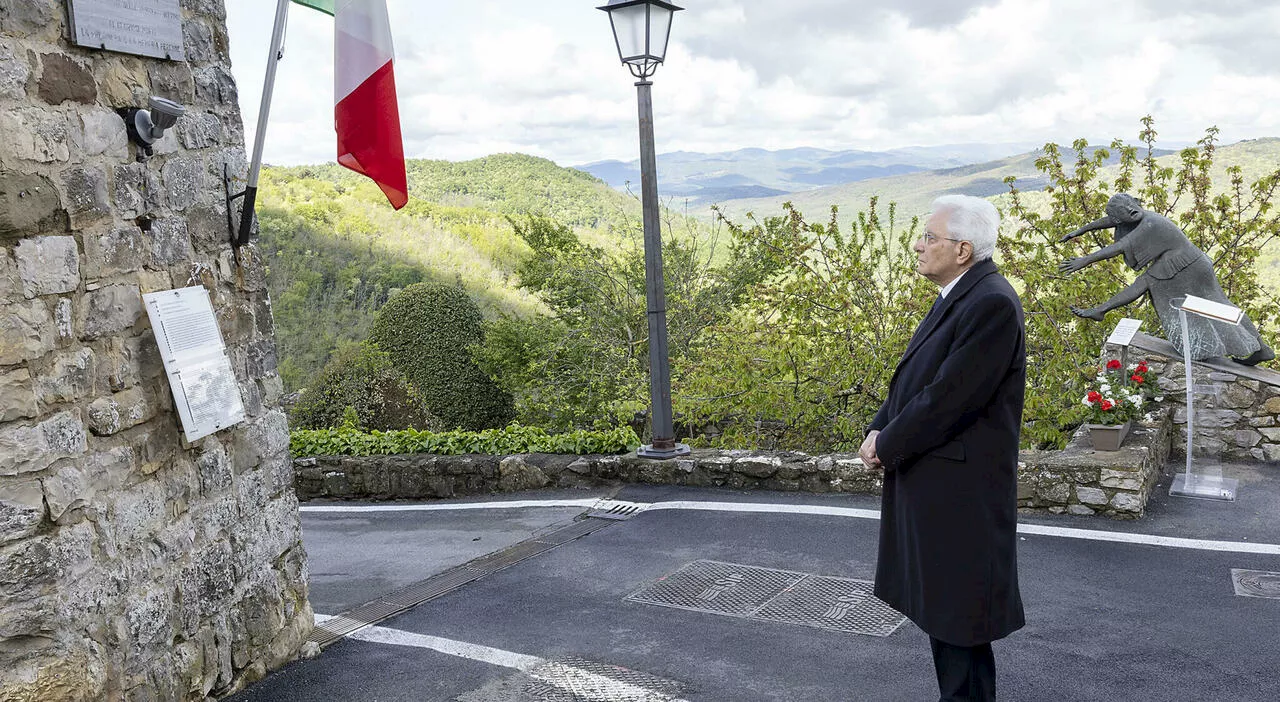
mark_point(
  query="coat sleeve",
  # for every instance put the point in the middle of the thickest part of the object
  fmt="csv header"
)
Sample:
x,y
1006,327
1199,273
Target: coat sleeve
x,y
962,387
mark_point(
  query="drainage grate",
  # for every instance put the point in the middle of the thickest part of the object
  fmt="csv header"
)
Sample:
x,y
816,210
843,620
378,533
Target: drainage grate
x,y
406,598
720,588
615,509
1256,583
765,594
578,680
836,604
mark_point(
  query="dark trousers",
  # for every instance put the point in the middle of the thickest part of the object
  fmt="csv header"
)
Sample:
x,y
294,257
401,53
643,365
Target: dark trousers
x,y
965,673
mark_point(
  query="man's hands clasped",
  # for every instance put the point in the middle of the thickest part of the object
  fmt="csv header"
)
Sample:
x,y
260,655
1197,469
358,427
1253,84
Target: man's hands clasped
x,y
868,452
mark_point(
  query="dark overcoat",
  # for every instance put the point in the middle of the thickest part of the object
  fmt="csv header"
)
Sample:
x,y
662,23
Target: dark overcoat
x,y
949,445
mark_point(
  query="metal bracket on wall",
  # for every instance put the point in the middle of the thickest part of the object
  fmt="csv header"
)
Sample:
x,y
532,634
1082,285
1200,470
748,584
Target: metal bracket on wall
x,y
226,189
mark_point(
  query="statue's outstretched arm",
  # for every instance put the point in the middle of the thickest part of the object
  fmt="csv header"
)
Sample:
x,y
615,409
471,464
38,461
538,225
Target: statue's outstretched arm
x,y
1100,223
1075,264
1127,296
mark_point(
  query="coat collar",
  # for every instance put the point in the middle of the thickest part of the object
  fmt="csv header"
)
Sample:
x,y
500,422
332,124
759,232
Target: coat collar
x,y
980,270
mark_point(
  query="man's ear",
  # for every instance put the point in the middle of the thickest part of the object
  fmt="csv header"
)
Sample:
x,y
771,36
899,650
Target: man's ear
x,y
965,257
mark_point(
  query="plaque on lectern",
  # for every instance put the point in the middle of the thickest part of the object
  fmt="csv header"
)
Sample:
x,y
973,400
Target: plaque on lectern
x,y
205,391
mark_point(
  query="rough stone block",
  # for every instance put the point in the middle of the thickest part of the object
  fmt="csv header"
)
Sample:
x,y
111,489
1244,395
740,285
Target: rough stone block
x,y
1272,434
14,72
1058,493
1262,422
34,19
1080,510
1091,496
137,191
516,475
118,251
10,283
757,466
21,509
35,135
1272,406
67,378
172,80
138,514
17,395
48,265
1247,438
200,131
1127,503
67,489
1122,480
1271,452
102,133
150,617
110,310
170,243
64,320
63,79
86,196
214,468
29,204
28,570
25,332
27,449
1209,418
183,182
215,87
123,410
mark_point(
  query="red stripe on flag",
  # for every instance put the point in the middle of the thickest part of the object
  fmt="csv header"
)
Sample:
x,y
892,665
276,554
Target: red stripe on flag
x,y
369,139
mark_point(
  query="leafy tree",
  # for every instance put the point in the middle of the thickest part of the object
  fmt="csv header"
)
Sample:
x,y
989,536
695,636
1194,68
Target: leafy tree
x,y
361,381
806,362
587,364
1231,224
429,330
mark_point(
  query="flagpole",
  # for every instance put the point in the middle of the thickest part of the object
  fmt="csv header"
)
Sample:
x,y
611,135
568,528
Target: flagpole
x,y
264,110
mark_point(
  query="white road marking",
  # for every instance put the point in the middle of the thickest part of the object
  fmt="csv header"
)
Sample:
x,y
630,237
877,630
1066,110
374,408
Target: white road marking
x,y
583,683
820,510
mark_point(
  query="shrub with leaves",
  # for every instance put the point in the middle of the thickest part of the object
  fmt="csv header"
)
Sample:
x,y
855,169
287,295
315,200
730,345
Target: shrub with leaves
x,y
515,439
362,379
429,330
806,362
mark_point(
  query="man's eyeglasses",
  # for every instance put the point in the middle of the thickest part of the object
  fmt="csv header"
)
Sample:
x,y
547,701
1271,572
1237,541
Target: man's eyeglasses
x,y
931,238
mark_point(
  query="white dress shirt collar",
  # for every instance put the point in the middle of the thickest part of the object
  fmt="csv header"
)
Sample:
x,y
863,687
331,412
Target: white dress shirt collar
x,y
946,290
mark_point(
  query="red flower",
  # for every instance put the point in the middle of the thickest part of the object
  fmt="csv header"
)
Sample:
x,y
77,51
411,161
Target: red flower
x,y
1137,378
1095,397
1107,406
1113,364
1142,366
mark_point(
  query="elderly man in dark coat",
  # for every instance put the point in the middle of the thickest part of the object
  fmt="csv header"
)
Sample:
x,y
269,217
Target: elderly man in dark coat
x,y
947,440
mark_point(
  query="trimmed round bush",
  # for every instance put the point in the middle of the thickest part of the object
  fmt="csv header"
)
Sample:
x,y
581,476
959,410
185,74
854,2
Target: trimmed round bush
x,y
429,330
363,379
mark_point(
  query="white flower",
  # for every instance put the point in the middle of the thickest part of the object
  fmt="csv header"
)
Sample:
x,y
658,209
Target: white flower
x,y
1133,366
1086,402
1106,387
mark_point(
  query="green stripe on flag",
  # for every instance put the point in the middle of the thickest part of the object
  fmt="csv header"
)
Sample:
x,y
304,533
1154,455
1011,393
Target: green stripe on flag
x,y
325,6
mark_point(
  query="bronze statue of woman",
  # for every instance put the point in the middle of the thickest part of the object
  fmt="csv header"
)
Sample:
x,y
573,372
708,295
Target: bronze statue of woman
x,y
1174,268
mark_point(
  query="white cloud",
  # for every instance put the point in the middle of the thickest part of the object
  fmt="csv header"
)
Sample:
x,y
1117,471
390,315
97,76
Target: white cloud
x,y
479,77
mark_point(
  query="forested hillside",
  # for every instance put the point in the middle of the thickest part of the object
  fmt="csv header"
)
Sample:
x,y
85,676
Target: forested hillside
x,y
336,251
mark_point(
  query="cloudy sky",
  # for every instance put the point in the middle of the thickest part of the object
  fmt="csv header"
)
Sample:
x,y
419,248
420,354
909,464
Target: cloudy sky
x,y
477,77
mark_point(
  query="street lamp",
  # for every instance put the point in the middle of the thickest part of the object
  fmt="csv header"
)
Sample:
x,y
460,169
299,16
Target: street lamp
x,y
641,29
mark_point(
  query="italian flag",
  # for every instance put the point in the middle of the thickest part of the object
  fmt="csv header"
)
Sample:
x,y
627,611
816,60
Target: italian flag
x,y
366,114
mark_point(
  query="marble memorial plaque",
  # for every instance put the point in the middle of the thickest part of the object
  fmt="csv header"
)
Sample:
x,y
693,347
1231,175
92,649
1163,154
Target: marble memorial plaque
x,y
143,27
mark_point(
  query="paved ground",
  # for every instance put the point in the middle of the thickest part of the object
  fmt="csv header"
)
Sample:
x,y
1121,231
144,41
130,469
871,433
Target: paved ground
x,y
1111,616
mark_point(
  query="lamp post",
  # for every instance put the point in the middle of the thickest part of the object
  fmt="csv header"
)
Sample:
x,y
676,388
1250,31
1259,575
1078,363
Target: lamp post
x,y
641,29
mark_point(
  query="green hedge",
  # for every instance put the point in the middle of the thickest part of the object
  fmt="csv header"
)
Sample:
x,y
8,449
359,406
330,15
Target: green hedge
x,y
514,439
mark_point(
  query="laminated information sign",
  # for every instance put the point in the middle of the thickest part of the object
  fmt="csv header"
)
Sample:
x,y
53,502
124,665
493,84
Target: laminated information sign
x,y
204,385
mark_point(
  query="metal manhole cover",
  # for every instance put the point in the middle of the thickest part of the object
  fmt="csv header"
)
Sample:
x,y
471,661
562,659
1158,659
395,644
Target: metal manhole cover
x,y
719,588
837,604
1256,583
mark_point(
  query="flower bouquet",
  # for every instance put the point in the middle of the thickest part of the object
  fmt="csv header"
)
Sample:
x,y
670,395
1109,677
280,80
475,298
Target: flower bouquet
x,y
1115,399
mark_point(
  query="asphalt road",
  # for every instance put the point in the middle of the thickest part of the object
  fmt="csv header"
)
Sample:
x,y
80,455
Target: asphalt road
x,y
1114,619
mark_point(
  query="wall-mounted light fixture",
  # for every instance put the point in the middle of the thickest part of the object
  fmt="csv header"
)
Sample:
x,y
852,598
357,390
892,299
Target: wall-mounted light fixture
x,y
145,126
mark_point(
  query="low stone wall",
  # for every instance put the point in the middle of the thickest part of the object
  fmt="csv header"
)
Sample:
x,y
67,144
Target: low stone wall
x,y
1080,480
1238,419
1076,481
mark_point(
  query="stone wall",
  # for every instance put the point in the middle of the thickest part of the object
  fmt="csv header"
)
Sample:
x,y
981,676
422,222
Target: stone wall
x,y
1076,481
1237,417
133,566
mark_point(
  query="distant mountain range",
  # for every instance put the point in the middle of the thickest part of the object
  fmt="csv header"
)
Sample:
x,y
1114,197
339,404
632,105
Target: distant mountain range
x,y
754,173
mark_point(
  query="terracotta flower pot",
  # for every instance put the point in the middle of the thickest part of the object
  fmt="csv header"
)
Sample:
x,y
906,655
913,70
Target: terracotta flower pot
x,y
1107,437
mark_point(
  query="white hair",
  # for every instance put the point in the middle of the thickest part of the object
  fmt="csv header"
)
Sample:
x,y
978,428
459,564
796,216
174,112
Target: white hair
x,y
971,219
